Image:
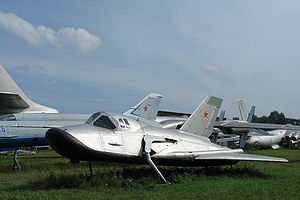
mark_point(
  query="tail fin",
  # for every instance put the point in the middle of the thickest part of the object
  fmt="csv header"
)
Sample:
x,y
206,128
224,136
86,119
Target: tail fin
x,y
251,114
222,115
202,120
14,100
147,108
242,110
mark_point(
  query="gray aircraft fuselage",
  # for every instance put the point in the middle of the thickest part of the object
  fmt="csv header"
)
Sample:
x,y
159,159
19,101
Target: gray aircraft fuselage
x,y
29,129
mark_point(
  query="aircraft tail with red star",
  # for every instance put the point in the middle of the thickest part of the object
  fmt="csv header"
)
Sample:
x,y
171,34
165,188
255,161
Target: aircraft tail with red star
x,y
202,120
147,108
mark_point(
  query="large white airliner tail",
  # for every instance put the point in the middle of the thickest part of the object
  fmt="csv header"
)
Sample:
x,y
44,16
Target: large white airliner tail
x,y
14,100
202,120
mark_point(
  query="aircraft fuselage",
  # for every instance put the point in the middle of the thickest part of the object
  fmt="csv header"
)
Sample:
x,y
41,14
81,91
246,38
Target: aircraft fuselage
x,y
168,147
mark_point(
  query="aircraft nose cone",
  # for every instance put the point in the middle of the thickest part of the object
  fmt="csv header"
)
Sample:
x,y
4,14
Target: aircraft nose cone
x,y
67,145
62,142
56,136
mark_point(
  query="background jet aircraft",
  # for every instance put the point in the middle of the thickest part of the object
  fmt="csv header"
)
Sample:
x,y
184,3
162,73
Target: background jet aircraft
x,y
123,138
242,132
262,135
273,139
269,139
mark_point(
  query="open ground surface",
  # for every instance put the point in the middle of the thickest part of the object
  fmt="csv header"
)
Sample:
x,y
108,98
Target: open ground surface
x,y
47,175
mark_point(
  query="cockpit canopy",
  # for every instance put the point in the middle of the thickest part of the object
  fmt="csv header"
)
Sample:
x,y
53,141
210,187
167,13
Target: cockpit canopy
x,y
93,117
99,119
108,121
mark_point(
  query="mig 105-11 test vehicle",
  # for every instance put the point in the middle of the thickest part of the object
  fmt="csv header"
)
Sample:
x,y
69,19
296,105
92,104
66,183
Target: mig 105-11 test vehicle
x,y
132,139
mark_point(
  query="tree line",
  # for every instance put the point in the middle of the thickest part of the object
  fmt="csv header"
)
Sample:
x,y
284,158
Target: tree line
x,y
275,118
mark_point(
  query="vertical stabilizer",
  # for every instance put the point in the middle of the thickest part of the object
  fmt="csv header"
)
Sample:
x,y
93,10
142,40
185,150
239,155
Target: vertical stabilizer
x,y
147,108
202,120
251,114
242,110
14,100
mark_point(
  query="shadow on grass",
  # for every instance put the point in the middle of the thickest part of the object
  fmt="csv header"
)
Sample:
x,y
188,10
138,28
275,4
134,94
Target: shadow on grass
x,y
137,177
294,161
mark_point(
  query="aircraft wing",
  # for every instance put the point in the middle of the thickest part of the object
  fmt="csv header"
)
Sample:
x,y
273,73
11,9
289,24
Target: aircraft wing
x,y
11,103
246,125
239,157
229,139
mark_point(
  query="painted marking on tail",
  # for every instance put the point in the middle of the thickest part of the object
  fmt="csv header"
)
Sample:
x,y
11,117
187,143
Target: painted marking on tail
x,y
205,114
145,108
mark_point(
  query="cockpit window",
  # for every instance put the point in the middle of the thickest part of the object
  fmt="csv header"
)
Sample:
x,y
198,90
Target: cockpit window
x,y
104,122
121,123
126,123
93,117
8,118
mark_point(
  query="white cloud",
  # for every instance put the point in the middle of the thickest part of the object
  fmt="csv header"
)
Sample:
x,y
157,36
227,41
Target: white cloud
x,y
39,35
210,68
82,38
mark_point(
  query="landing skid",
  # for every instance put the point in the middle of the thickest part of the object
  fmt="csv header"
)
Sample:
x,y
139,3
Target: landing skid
x,y
148,142
151,163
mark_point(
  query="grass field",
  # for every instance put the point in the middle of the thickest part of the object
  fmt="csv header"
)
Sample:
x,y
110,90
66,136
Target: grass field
x,y
47,175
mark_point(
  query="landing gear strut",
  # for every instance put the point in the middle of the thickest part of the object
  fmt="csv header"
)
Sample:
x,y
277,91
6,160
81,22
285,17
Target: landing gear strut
x,y
16,165
243,139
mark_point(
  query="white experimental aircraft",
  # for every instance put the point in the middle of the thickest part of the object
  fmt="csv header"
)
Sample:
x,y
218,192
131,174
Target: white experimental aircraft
x,y
132,139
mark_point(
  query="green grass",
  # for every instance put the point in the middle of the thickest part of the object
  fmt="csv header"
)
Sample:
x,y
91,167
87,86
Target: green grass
x,y
47,175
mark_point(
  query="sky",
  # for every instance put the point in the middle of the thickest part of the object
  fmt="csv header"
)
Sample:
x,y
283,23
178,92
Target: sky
x,y
88,56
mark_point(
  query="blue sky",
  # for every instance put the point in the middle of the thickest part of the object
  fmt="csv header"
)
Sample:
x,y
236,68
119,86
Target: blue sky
x,y
85,56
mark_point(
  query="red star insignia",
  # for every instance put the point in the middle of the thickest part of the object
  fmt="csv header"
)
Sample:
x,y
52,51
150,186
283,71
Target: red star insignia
x,y
205,115
145,108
